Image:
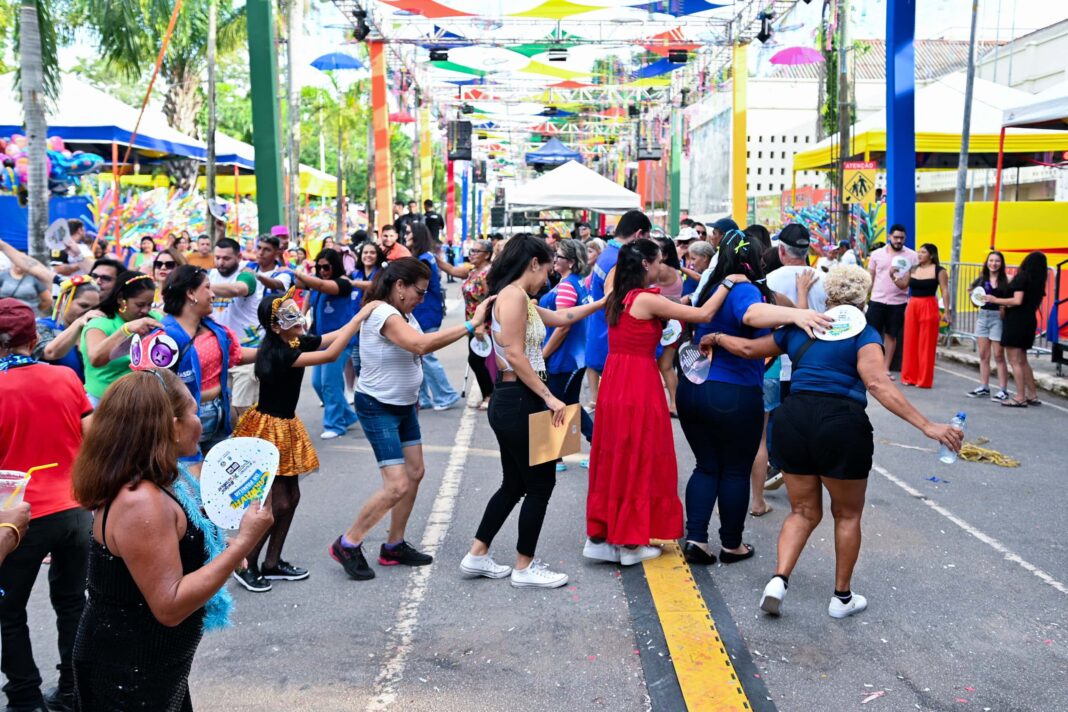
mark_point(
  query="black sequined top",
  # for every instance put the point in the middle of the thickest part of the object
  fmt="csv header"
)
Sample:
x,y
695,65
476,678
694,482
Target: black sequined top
x,y
125,659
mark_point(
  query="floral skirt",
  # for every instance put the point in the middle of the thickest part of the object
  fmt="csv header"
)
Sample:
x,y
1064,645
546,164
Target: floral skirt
x,y
296,453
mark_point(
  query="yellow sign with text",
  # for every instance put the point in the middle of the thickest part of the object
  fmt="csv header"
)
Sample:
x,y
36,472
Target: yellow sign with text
x,y
859,183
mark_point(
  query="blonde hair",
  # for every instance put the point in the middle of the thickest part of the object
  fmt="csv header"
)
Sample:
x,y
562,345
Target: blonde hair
x,y
847,284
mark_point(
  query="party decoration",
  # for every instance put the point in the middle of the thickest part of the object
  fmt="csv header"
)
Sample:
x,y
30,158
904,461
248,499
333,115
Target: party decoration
x,y
792,56
65,167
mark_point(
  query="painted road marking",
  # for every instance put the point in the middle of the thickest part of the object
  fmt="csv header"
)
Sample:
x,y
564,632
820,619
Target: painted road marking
x,y
985,538
973,379
399,645
704,669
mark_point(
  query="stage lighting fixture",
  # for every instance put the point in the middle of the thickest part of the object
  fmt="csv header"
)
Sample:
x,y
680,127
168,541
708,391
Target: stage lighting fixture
x,y
678,56
558,54
362,28
439,55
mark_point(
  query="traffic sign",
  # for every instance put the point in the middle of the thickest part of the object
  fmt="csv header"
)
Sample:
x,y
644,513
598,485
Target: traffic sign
x,y
859,183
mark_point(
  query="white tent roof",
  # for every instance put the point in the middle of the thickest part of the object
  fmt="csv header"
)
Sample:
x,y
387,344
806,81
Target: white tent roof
x,y
1045,110
85,114
572,185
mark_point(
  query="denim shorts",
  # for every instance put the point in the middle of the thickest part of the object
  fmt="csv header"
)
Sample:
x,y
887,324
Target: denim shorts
x,y
389,428
988,325
211,424
771,394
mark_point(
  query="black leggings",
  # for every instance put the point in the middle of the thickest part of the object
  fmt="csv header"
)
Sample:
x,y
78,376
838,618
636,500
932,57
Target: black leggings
x,y
480,369
285,496
509,410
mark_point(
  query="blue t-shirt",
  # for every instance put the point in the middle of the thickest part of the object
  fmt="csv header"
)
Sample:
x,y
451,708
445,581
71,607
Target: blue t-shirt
x,y
596,324
357,293
428,313
726,367
827,366
72,360
570,355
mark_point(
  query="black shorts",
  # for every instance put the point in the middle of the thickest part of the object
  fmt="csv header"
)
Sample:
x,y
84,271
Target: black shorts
x,y
824,435
887,319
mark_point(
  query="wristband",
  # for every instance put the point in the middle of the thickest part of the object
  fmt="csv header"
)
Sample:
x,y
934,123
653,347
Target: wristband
x,y
126,330
470,327
18,534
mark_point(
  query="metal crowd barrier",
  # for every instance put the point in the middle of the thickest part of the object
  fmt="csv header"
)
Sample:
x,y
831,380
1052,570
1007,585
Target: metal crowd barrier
x,y
964,274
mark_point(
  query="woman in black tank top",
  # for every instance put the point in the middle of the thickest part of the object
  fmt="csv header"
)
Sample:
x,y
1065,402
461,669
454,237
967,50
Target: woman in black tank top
x,y
922,316
153,585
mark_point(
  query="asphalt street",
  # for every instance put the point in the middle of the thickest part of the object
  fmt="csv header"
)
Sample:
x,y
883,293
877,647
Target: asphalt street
x,y
966,577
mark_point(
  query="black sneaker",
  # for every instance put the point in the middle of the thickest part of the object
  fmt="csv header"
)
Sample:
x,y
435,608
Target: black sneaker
x,y
252,580
403,553
59,701
284,571
352,560
696,555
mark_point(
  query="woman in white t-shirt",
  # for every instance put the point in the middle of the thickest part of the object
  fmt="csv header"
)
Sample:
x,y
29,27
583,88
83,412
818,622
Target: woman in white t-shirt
x,y
387,396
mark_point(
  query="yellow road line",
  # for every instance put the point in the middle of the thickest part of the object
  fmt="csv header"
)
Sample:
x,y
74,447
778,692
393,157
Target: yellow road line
x,y
706,675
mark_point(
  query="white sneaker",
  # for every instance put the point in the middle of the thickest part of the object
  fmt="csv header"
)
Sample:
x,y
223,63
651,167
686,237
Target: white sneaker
x,y
329,435
537,575
601,552
629,557
856,604
774,593
483,566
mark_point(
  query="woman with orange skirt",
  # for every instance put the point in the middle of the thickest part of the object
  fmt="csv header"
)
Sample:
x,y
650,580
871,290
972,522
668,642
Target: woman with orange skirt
x,y
922,316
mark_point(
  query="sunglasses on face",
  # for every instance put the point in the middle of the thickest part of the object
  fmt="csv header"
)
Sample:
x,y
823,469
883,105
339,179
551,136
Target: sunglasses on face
x,y
165,265
560,257
102,278
322,268
702,233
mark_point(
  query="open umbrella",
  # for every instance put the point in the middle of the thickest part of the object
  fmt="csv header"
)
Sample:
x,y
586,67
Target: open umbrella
x,y
336,60
797,55
401,117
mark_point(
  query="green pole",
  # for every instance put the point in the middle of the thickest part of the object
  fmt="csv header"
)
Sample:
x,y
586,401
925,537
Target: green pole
x,y
676,171
263,73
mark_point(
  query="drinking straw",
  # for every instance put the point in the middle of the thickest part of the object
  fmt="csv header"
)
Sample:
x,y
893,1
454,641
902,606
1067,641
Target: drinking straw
x,y
11,497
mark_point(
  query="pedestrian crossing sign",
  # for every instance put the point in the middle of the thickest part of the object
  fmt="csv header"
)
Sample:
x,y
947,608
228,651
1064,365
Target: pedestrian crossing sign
x,y
859,183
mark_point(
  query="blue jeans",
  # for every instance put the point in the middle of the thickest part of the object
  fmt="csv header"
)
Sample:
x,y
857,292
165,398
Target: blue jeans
x,y
435,390
329,383
567,387
722,423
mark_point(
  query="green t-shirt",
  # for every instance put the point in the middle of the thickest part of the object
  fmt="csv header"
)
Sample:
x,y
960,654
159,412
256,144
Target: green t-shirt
x,y
98,378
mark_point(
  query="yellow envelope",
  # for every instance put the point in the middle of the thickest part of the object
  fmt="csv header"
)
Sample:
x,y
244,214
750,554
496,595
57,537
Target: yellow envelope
x,y
548,443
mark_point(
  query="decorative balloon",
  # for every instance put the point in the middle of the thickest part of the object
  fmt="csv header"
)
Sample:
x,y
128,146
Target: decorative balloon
x,y
65,168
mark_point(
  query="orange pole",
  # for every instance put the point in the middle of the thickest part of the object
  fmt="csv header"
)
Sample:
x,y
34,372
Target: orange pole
x,y
380,124
237,204
997,189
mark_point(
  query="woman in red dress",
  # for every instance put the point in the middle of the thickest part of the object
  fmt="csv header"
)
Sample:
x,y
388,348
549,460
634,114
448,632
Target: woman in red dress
x,y
922,316
633,492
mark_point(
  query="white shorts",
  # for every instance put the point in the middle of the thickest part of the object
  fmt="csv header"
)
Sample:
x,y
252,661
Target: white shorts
x,y
244,386
988,325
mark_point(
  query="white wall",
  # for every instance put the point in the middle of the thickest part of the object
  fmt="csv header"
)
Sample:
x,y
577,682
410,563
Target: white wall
x,y
1033,63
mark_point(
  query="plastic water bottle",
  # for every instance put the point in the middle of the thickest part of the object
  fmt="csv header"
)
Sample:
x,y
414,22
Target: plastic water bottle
x,y
944,453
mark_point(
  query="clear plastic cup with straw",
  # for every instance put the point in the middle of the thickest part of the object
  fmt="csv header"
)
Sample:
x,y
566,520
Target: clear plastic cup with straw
x,y
12,488
13,484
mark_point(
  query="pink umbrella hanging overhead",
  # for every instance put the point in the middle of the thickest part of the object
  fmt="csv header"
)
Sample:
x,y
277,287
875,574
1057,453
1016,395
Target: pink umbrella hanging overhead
x,y
401,117
797,55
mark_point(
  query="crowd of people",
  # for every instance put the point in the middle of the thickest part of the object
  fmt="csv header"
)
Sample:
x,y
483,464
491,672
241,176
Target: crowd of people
x,y
122,518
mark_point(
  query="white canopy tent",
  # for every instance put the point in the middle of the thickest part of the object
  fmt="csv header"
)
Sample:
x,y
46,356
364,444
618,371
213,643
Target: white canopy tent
x,y
573,186
1045,110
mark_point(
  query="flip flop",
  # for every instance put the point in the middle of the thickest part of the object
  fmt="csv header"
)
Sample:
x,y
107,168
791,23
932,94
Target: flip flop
x,y
1014,404
754,513
1034,401
729,558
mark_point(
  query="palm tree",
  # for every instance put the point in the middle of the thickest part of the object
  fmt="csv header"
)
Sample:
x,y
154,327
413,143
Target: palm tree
x,y
131,34
38,79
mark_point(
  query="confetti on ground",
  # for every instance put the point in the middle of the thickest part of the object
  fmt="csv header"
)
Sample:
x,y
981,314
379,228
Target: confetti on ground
x,y
873,696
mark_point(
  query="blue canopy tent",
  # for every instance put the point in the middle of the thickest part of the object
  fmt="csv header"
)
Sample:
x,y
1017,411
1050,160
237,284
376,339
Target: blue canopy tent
x,y
553,153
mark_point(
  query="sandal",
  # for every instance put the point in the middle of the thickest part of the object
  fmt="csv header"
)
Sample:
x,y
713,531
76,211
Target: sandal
x,y
1034,401
1014,404
754,513
729,558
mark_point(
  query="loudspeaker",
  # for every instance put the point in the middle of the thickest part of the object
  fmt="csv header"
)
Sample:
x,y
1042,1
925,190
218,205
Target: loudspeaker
x,y
459,140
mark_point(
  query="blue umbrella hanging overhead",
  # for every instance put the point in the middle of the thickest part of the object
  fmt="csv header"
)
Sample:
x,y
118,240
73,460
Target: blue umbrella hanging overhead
x,y
336,60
